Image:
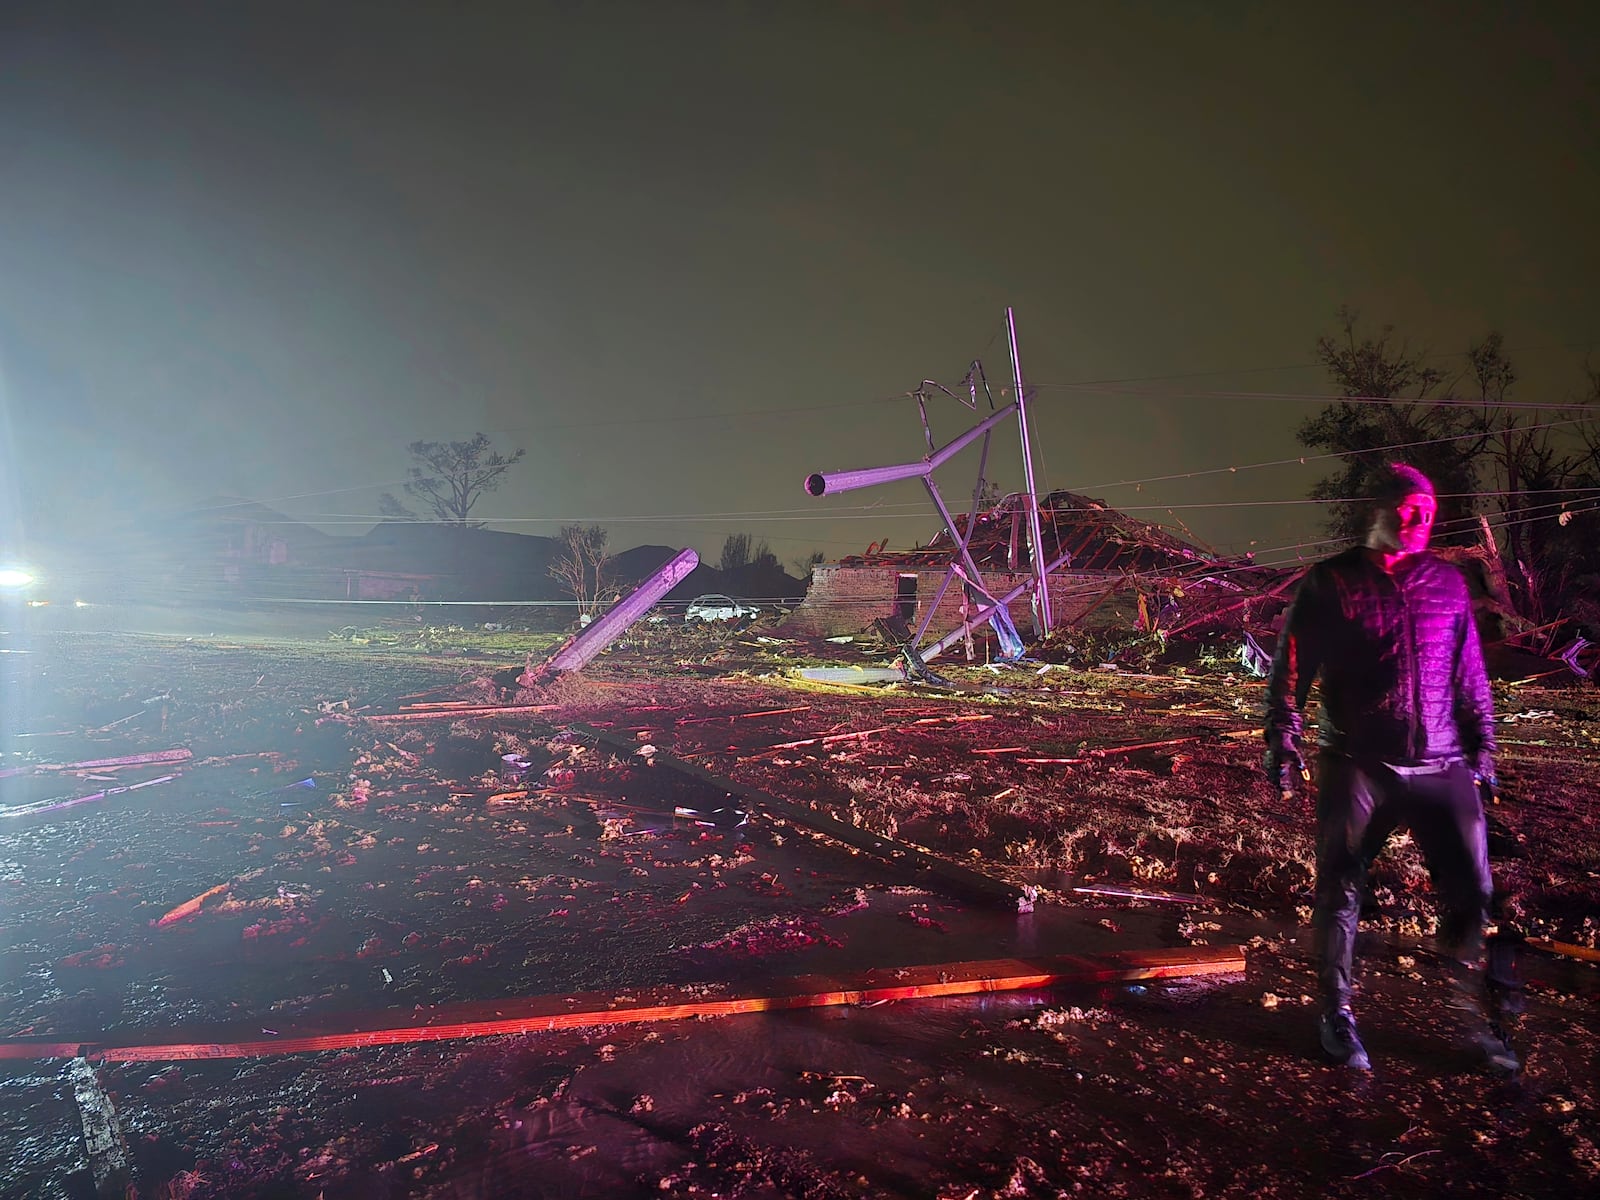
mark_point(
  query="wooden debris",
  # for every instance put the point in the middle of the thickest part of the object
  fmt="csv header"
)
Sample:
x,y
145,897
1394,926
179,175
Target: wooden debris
x,y
1127,893
539,1014
455,714
44,806
829,739
931,871
766,712
1566,949
102,1135
189,907
155,757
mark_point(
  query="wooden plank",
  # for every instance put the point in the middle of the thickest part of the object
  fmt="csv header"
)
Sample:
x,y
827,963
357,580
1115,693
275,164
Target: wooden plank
x,y
153,758
189,907
102,1135
44,806
935,873
540,1014
1566,949
453,714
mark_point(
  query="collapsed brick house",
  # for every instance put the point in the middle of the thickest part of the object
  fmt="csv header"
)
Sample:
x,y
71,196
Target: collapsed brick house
x,y
1119,568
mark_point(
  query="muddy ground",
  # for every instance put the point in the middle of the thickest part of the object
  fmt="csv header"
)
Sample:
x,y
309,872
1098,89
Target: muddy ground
x,y
420,866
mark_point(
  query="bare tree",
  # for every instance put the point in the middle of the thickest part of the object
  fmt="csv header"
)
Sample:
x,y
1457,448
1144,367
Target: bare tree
x,y
1543,477
802,565
580,564
735,552
451,477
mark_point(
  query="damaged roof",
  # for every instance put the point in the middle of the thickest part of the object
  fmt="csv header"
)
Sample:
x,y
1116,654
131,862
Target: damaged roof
x,y
1097,536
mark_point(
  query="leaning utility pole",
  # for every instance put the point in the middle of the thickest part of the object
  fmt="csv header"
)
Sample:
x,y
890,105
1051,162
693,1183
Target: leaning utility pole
x,y
1041,594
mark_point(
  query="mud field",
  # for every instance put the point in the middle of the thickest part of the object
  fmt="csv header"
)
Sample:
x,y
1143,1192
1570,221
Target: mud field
x,y
330,845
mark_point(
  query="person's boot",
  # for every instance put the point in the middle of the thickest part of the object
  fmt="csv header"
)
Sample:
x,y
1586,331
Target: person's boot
x,y
1494,1040
1489,1002
1340,1040
1507,998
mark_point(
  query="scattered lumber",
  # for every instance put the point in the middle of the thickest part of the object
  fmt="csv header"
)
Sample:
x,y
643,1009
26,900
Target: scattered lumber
x,y
932,872
541,1014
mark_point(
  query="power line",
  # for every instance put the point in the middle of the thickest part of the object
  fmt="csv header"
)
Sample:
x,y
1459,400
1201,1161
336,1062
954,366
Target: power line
x,y
1311,366
1128,508
1541,512
1303,459
915,511
1315,398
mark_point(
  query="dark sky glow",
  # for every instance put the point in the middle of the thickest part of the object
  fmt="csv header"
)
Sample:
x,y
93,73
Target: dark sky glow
x,y
688,253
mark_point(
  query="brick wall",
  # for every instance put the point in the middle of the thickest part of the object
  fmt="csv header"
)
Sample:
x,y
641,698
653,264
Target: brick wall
x,y
847,599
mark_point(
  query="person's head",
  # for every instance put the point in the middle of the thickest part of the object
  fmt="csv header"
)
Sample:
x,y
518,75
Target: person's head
x,y
1403,508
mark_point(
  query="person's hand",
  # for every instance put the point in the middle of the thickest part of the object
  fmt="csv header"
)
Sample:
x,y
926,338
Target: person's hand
x,y
1286,770
1488,784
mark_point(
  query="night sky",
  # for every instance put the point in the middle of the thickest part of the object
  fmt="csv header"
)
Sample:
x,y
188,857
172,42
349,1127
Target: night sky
x,y
686,253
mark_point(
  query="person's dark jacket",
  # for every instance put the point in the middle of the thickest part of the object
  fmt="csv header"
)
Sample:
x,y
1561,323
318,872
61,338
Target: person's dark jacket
x,y
1402,670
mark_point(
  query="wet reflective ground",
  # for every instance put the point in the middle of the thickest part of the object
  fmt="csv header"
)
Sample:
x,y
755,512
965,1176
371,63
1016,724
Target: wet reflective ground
x,y
413,873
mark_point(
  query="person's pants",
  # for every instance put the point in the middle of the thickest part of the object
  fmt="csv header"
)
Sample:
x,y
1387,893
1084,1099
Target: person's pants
x,y
1359,806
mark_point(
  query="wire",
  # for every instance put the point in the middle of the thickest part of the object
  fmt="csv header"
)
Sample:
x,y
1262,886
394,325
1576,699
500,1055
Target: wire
x,y
1312,366
831,514
1128,508
1313,398
1302,460
1496,521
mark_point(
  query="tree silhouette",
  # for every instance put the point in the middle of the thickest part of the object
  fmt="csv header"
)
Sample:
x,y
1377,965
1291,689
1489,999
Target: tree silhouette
x,y
1379,422
450,478
735,552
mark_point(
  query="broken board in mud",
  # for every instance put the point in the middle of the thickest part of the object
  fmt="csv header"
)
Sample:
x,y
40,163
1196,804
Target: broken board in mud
x,y
580,1010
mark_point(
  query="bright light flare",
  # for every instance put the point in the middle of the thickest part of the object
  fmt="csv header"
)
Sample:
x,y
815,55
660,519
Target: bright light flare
x,y
15,577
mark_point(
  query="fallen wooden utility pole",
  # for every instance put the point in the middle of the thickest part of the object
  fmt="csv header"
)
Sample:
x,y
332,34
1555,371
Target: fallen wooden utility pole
x,y
614,622
934,873
584,1010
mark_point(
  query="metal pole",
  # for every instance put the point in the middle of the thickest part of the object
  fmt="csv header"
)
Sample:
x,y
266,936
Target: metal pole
x,y
844,481
1041,595
951,638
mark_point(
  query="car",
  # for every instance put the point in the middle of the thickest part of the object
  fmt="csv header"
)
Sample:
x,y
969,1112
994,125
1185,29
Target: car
x,y
719,608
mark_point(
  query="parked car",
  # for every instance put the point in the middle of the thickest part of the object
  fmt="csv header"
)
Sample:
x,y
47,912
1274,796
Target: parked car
x,y
719,608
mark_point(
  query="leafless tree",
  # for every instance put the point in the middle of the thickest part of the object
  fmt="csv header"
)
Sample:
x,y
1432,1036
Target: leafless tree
x,y
580,565
735,552
802,565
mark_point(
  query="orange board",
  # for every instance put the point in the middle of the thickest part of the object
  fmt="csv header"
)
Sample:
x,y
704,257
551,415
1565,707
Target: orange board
x,y
539,1014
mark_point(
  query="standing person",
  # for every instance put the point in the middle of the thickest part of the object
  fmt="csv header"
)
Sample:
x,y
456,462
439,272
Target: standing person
x,y
1406,739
